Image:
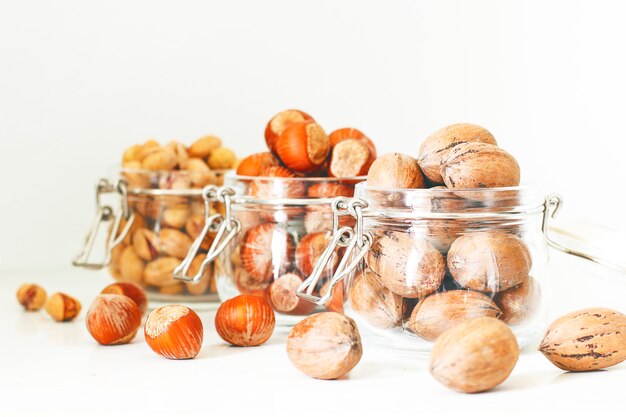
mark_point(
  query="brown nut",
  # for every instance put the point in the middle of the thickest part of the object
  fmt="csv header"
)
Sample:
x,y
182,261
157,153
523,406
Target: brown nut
x,y
376,304
173,242
406,264
162,160
253,165
271,185
174,180
266,250
176,215
172,289
519,303
130,290
146,244
325,345
336,300
193,227
62,307
203,147
114,265
199,173
474,356
201,286
182,157
435,148
309,251
319,218
586,340
283,296
148,148
441,311
222,158
479,165
131,154
395,170
160,272
330,190
351,158
279,122
134,176
489,261
131,266
31,296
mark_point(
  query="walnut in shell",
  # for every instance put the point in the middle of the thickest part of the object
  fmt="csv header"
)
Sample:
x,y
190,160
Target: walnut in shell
x,y
586,340
373,302
474,356
436,147
479,165
406,264
489,261
442,311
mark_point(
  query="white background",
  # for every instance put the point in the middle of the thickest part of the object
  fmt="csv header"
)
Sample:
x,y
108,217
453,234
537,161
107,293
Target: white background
x,y
82,80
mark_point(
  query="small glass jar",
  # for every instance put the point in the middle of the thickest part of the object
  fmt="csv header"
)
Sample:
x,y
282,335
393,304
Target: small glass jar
x,y
284,225
160,214
425,260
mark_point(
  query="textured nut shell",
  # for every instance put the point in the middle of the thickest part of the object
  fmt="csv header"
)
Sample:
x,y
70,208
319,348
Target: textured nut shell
x,y
309,251
376,304
222,158
245,320
173,242
519,303
350,158
176,215
146,244
336,300
303,146
31,296
442,311
435,148
279,123
265,251
282,295
479,165
253,165
325,345
330,190
586,340
319,218
406,264
62,307
489,261
113,319
474,356
130,290
174,331
395,170
269,184
160,272
203,146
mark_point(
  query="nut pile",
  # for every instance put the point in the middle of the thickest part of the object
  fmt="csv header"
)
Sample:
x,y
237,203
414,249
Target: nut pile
x,y
429,276
279,245
165,226
60,306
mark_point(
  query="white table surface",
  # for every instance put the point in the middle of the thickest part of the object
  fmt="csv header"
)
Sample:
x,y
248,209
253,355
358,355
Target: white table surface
x,y
49,368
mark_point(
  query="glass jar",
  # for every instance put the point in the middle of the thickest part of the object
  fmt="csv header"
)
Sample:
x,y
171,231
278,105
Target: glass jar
x,y
148,231
280,227
423,260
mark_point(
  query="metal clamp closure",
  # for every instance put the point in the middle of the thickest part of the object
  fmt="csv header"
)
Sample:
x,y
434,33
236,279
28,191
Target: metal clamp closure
x,y
104,214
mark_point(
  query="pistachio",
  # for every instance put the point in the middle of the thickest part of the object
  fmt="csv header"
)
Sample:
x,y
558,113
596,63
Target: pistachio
x,y
160,272
222,158
201,286
148,148
176,215
131,266
200,173
146,244
441,311
162,160
586,340
182,158
203,147
133,175
173,242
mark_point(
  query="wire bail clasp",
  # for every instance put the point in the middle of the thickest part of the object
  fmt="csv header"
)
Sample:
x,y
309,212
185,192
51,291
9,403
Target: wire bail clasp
x,y
346,237
105,213
225,229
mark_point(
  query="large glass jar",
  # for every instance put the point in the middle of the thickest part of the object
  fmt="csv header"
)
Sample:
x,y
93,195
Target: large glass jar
x,y
160,214
433,258
285,225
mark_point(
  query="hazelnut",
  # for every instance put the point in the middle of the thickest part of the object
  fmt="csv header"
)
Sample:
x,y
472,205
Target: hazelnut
x,y
31,296
479,165
395,170
442,311
435,148
203,147
330,190
222,158
267,187
245,320
266,250
253,165
160,272
174,332
519,303
130,290
279,122
586,340
309,251
406,264
325,345
131,265
283,296
62,307
113,319
351,158
489,261
474,356
114,265
373,302
303,146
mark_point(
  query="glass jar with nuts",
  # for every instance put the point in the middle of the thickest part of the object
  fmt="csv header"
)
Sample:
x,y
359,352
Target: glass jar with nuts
x,y
151,213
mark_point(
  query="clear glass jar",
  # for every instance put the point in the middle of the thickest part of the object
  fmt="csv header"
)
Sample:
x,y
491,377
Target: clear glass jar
x,y
285,226
160,214
433,258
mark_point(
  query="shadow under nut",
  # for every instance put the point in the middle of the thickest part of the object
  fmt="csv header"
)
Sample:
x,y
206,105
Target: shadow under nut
x,y
408,265
489,261
442,311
